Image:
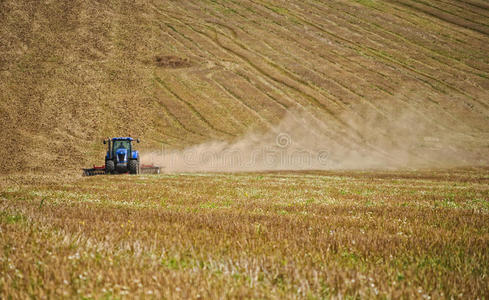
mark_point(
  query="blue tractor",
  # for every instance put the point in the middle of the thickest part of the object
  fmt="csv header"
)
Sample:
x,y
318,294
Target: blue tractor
x,y
121,157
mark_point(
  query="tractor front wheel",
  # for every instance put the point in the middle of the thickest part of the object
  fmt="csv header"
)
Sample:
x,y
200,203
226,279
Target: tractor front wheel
x,y
109,167
133,166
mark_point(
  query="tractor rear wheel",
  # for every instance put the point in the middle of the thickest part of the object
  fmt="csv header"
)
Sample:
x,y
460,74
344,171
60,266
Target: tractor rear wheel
x,y
109,167
133,166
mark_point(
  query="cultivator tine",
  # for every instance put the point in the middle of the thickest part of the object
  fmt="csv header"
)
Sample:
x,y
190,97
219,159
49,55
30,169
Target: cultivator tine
x,y
150,169
94,171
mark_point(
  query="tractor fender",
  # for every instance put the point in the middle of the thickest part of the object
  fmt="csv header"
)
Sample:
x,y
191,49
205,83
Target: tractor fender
x,y
135,154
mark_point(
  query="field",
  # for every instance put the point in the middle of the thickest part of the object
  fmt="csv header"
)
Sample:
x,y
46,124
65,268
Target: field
x,y
396,87
416,234
180,73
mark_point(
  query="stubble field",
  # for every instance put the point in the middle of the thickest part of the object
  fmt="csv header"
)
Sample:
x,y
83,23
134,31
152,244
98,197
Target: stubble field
x,y
263,235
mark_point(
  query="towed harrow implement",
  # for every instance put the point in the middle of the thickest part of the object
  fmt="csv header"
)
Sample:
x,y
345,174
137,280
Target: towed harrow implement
x,y
100,170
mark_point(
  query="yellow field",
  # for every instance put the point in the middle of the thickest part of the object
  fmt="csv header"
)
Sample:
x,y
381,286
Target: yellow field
x,y
179,73
266,235
329,85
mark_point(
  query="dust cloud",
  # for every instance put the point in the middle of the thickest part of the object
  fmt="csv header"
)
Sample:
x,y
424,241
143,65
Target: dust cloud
x,y
302,140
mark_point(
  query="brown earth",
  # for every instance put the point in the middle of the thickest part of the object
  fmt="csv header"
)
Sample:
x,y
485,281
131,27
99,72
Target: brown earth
x,y
182,73
172,62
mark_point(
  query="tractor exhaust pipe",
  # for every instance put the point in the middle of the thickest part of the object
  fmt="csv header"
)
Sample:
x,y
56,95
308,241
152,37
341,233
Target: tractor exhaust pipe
x,y
109,147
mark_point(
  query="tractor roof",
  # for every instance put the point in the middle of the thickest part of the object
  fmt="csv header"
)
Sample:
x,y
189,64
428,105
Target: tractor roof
x,y
123,139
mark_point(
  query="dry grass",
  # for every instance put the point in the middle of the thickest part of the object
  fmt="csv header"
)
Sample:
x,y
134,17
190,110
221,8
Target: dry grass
x,y
271,235
73,72
178,73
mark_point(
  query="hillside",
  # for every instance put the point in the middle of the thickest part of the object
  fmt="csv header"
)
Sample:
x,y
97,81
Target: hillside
x,y
180,73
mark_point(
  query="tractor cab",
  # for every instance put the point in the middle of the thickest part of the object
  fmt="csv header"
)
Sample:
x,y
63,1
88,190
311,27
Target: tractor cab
x,y
121,157
120,149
